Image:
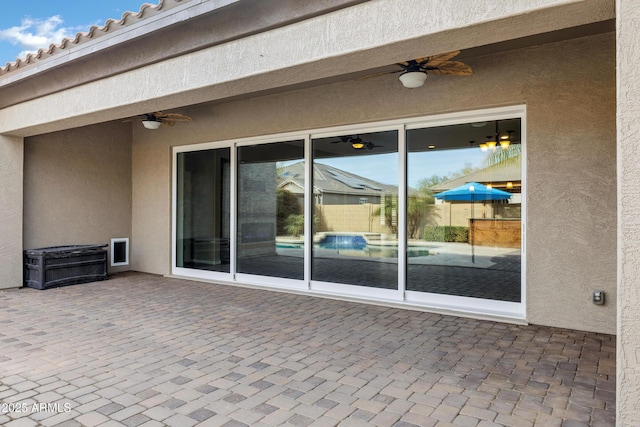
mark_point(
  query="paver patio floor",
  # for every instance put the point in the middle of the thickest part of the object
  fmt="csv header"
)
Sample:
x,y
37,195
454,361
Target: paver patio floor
x,y
146,350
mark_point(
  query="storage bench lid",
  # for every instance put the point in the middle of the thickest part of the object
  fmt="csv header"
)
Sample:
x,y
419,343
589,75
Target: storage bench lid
x,y
64,249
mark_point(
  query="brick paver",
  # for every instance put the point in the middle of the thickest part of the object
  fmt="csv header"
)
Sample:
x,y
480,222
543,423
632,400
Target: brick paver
x,y
145,350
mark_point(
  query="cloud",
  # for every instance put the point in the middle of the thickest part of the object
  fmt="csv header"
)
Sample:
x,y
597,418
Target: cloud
x,y
34,34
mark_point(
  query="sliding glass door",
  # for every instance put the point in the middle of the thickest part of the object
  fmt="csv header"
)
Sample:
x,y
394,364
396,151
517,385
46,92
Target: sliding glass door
x,y
203,210
427,211
464,209
270,209
355,207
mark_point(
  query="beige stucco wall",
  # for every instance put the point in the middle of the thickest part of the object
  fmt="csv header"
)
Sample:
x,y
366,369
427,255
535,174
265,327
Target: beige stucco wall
x,y
350,218
11,172
77,187
628,345
570,151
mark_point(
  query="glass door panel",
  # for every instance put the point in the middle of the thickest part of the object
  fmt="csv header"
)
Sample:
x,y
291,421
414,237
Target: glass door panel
x,y
271,209
464,210
355,221
203,210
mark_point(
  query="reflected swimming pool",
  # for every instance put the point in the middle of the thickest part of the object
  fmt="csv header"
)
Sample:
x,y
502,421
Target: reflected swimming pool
x,y
357,245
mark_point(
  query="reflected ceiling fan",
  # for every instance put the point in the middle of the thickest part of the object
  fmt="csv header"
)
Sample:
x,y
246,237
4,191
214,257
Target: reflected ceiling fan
x,y
357,143
154,120
414,72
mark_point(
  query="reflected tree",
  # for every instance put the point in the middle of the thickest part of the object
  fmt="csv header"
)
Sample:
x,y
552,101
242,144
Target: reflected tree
x,y
419,210
286,205
294,225
503,157
388,210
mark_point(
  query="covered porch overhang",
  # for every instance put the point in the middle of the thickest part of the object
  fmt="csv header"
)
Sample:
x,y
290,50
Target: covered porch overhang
x,y
346,44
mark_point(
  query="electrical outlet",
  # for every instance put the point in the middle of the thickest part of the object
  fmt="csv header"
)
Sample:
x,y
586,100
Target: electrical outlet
x,y
598,297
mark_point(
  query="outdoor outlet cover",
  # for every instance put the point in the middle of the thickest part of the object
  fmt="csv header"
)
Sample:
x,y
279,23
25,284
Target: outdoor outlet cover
x,y
598,297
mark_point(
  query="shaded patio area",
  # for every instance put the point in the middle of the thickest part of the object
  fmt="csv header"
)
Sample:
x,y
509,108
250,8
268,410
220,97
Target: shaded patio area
x,y
140,349
495,277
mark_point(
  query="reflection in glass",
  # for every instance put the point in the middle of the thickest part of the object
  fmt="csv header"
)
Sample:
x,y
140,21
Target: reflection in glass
x,y
464,208
203,210
355,223
271,209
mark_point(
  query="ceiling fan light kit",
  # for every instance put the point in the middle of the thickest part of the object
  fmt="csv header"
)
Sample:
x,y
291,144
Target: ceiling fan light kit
x,y
413,79
496,139
151,124
505,140
357,143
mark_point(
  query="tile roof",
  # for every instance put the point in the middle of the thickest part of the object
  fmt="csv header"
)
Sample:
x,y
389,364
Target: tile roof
x,y
328,179
128,18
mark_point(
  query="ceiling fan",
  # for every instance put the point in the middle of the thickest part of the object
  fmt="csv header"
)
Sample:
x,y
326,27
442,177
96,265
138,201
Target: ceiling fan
x,y
154,120
414,72
357,143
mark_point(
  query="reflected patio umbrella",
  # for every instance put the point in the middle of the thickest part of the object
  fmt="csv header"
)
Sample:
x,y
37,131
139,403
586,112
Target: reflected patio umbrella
x,y
473,192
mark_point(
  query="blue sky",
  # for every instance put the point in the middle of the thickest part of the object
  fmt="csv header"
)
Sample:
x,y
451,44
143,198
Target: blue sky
x,y
27,25
421,165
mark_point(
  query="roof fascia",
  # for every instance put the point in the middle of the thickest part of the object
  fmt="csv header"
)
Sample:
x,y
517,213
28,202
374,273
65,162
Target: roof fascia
x,y
128,33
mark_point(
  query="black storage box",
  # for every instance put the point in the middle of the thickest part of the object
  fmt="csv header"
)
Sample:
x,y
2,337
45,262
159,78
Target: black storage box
x,y
64,265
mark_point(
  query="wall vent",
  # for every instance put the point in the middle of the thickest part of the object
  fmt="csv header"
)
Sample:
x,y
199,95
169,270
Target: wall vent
x,y
119,251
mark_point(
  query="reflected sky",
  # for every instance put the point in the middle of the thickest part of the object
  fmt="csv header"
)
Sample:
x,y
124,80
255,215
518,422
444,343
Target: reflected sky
x,y
423,165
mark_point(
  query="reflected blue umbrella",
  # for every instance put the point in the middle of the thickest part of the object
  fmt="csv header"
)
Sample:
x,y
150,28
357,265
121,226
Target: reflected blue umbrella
x,y
473,192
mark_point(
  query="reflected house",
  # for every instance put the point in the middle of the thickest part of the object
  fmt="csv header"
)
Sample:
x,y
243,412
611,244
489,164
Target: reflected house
x,y
343,200
493,223
506,177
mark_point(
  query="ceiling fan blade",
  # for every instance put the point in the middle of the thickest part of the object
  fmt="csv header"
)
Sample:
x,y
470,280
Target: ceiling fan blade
x,y
370,76
436,60
343,139
452,68
173,116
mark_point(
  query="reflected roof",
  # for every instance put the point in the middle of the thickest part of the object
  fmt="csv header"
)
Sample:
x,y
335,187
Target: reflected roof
x,y
328,179
507,172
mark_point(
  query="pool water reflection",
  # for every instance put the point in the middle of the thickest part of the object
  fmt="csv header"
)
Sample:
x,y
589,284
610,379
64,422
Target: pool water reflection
x,y
357,245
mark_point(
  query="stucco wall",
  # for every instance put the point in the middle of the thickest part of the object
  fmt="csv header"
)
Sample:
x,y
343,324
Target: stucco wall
x,y
569,90
11,173
77,187
628,354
